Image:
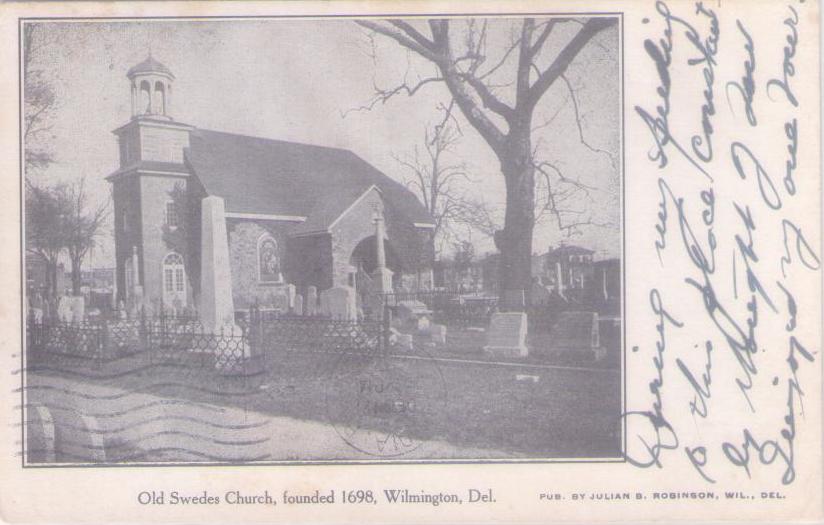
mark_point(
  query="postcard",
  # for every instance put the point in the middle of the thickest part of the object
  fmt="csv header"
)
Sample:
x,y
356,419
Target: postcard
x,y
411,262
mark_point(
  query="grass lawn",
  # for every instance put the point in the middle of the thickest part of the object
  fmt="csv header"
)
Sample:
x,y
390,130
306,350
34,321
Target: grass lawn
x,y
565,413
467,343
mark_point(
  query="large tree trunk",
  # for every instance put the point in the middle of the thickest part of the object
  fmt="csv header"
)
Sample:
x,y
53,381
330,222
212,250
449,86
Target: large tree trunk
x,y
52,271
76,277
515,240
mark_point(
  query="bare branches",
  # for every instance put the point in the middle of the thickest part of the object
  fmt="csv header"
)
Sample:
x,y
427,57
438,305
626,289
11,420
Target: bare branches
x,y
581,138
590,28
440,181
487,98
382,96
39,102
401,37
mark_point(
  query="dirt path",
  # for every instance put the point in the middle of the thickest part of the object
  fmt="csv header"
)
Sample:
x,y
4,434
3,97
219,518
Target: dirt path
x,y
92,422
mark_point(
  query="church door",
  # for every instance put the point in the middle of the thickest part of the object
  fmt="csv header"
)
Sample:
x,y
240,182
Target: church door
x,y
174,281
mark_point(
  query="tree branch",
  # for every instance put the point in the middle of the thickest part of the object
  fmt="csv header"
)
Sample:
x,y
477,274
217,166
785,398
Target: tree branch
x,y
590,28
403,39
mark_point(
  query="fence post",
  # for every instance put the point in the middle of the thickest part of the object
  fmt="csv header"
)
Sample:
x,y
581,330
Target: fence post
x,y
104,337
386,329
144,334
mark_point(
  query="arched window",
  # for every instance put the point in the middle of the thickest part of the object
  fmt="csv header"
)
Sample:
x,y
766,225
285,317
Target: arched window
x,y
159,98
146,97
268,261
174,280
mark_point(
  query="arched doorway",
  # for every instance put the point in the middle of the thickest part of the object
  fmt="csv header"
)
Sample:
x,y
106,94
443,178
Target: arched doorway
x,y
174,281
364,261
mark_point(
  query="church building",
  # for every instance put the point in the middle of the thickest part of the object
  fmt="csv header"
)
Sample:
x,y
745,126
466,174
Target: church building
x,y
293,214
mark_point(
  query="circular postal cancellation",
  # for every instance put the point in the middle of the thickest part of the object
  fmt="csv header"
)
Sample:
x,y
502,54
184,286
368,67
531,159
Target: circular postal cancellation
x,y
380,404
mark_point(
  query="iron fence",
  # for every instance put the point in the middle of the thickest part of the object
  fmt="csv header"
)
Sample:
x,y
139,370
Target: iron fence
x,y
274,332
160,338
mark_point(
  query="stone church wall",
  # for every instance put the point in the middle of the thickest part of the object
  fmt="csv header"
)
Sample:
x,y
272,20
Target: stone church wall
x,y
244,236
155,193
354,226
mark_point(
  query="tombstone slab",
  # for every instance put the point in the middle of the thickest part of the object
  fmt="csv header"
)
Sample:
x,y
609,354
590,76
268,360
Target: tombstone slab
x,y
438,334
576,331
339,302
78,305
64,309
311,304
298,308
291,292
405,342
506,336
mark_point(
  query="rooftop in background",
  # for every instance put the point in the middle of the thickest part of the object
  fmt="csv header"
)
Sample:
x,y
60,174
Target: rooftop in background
x,y
569,249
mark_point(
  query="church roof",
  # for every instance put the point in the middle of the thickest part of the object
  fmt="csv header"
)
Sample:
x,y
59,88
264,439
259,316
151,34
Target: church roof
x,y
263,176
150,65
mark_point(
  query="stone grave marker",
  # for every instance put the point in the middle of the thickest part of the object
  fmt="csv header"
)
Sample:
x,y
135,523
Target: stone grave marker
x,y
280,301
291,291
65,312
78,305
311,304
438,334
298,309
506,336
339,303
576,330
405,342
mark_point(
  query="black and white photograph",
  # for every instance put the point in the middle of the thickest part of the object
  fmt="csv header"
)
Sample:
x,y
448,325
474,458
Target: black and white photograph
x,y
274,240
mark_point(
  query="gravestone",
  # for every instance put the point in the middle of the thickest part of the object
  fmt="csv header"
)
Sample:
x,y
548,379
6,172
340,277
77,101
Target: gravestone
x,y
311,304
78,308
576,330
291,291
423,324
65,312
121,310
136,301
339,303
438,334
279,300
413,315
405,342
298,309
506,336
541,294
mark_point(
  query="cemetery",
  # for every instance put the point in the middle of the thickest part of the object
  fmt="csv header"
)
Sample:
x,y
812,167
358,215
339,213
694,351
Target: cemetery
x,y
260,275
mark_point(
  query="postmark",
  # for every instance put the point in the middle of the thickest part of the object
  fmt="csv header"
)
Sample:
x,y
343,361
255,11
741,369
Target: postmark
x,y
381,405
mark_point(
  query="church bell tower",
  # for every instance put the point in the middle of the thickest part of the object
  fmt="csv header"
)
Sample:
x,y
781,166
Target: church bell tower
x,y
151,85
145,190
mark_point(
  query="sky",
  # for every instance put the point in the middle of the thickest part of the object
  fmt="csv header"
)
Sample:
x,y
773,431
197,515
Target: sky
x,y
303,80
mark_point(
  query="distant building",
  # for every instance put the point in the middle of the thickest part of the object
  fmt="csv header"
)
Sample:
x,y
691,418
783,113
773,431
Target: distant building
x,y
568,267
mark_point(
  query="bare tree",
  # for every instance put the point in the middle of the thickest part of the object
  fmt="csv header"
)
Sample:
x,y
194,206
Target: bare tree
x,y
460,62
40,102
82,226
439,181
46,212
